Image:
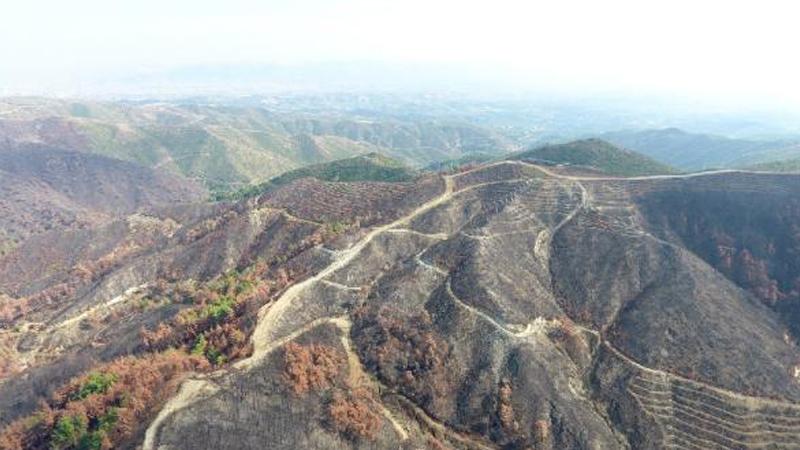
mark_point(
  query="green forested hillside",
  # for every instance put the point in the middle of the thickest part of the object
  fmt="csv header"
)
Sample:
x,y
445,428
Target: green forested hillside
x,y
369,167
599,155
787,165
697,151
450,164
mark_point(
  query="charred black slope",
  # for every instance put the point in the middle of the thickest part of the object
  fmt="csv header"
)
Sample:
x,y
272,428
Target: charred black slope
x,y
744,225
74,302
43,188
519,308
502,307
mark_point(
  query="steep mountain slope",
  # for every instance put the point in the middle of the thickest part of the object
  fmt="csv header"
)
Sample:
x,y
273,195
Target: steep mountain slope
x,y
597,155
555,290
198,270
692,151
43,188
505,306
751,236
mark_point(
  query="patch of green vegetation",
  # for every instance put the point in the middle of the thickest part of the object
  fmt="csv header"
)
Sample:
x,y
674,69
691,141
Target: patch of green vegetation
x,y
219,309
215,357
337,227
96,383
453,164
787,165
6,247
212,354
191,151
78,433
227,147
199,347
369,167
198,154
67,432
234,283
79,110
598,155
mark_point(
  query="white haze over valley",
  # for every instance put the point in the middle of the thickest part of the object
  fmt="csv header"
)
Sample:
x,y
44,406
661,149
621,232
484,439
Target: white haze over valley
x,y
704,52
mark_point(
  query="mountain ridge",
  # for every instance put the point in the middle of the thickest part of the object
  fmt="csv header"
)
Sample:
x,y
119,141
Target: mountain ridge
x,y
595,154
695,151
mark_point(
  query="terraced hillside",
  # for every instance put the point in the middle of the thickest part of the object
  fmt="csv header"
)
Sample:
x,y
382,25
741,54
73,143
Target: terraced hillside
x,y
505,306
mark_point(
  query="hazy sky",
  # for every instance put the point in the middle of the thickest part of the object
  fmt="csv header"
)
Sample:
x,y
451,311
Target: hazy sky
x,y
736,49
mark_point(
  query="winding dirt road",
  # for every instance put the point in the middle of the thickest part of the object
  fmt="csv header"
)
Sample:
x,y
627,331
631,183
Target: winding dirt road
x,y
272,314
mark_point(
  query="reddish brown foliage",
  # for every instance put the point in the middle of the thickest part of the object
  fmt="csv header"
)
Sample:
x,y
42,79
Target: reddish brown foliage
x,y
162,337
435,444
208,226
566,333
139,386
753,238
22,433
505,411
407,353
222,311
229,339
354,415
82,273
311,367
13,309
93,270
541,433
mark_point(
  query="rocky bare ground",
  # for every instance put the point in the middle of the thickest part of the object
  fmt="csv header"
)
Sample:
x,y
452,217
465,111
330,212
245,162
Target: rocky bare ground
x,y
507,306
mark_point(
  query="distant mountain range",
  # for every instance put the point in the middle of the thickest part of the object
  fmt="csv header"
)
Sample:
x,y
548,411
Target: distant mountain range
x,y
784,165
226,147
693,151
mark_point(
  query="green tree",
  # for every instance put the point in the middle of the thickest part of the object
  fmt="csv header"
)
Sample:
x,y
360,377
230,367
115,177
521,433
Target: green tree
x,y
67,432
